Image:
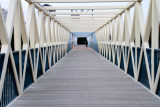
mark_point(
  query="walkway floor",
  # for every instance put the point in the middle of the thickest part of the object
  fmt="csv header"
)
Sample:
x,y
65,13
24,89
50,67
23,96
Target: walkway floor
x,y
85,79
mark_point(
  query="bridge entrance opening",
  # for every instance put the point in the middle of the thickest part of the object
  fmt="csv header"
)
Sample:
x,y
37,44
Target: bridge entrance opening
x,y
82,41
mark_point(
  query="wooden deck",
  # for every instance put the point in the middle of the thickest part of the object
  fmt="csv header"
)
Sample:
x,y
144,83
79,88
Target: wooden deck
x,y
83,78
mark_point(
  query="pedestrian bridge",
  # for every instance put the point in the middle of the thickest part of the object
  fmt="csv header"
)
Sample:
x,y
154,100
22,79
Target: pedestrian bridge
x,y
41,64
83,78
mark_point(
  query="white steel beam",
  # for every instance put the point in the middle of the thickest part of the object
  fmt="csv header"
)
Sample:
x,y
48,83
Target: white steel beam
x,y
81,1
82,7
128,6
83,25
84,13
80,23
69,17
84,19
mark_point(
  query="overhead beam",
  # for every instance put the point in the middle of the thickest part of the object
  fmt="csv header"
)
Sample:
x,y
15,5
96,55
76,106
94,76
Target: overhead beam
x,y
83,19
128,6
86,22
81,1
82,7
63,22
82,31
83,13
40,8
70,17
81,23
83,27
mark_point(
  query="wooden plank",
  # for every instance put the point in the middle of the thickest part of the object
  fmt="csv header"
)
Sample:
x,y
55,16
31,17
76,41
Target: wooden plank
x,y
83,78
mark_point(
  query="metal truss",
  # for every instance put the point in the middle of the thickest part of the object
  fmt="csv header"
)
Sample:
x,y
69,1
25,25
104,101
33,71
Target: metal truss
x,y
128,46
38,45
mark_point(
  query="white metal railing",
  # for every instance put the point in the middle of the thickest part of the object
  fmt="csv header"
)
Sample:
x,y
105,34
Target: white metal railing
x,y
28,48
134,47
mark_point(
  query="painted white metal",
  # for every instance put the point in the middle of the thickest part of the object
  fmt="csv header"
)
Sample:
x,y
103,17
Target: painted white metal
x,y
81,1
54,34
135,35
84,13
95,16
82,7
33,36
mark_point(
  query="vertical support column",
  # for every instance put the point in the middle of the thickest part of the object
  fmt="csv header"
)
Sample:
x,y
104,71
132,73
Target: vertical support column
x,y
53,39
155,36
127,32
137,38
17,29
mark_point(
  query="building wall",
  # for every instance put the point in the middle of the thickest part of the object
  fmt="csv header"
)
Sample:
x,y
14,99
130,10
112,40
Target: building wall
x,y
5,12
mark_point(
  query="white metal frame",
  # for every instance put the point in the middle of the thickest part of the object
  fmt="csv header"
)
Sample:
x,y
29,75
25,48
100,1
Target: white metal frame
x,y
46,33
130,34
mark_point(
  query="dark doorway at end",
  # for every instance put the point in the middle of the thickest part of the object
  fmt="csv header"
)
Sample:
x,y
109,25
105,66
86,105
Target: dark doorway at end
x,y
82,41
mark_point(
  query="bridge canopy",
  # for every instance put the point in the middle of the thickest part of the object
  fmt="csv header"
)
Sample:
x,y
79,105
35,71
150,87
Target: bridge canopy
x,y
84,15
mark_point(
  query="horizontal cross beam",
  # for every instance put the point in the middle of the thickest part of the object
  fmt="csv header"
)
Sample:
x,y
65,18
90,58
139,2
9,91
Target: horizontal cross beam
x,y
82,7
81,1
83,13
92,17
92,23
104,20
